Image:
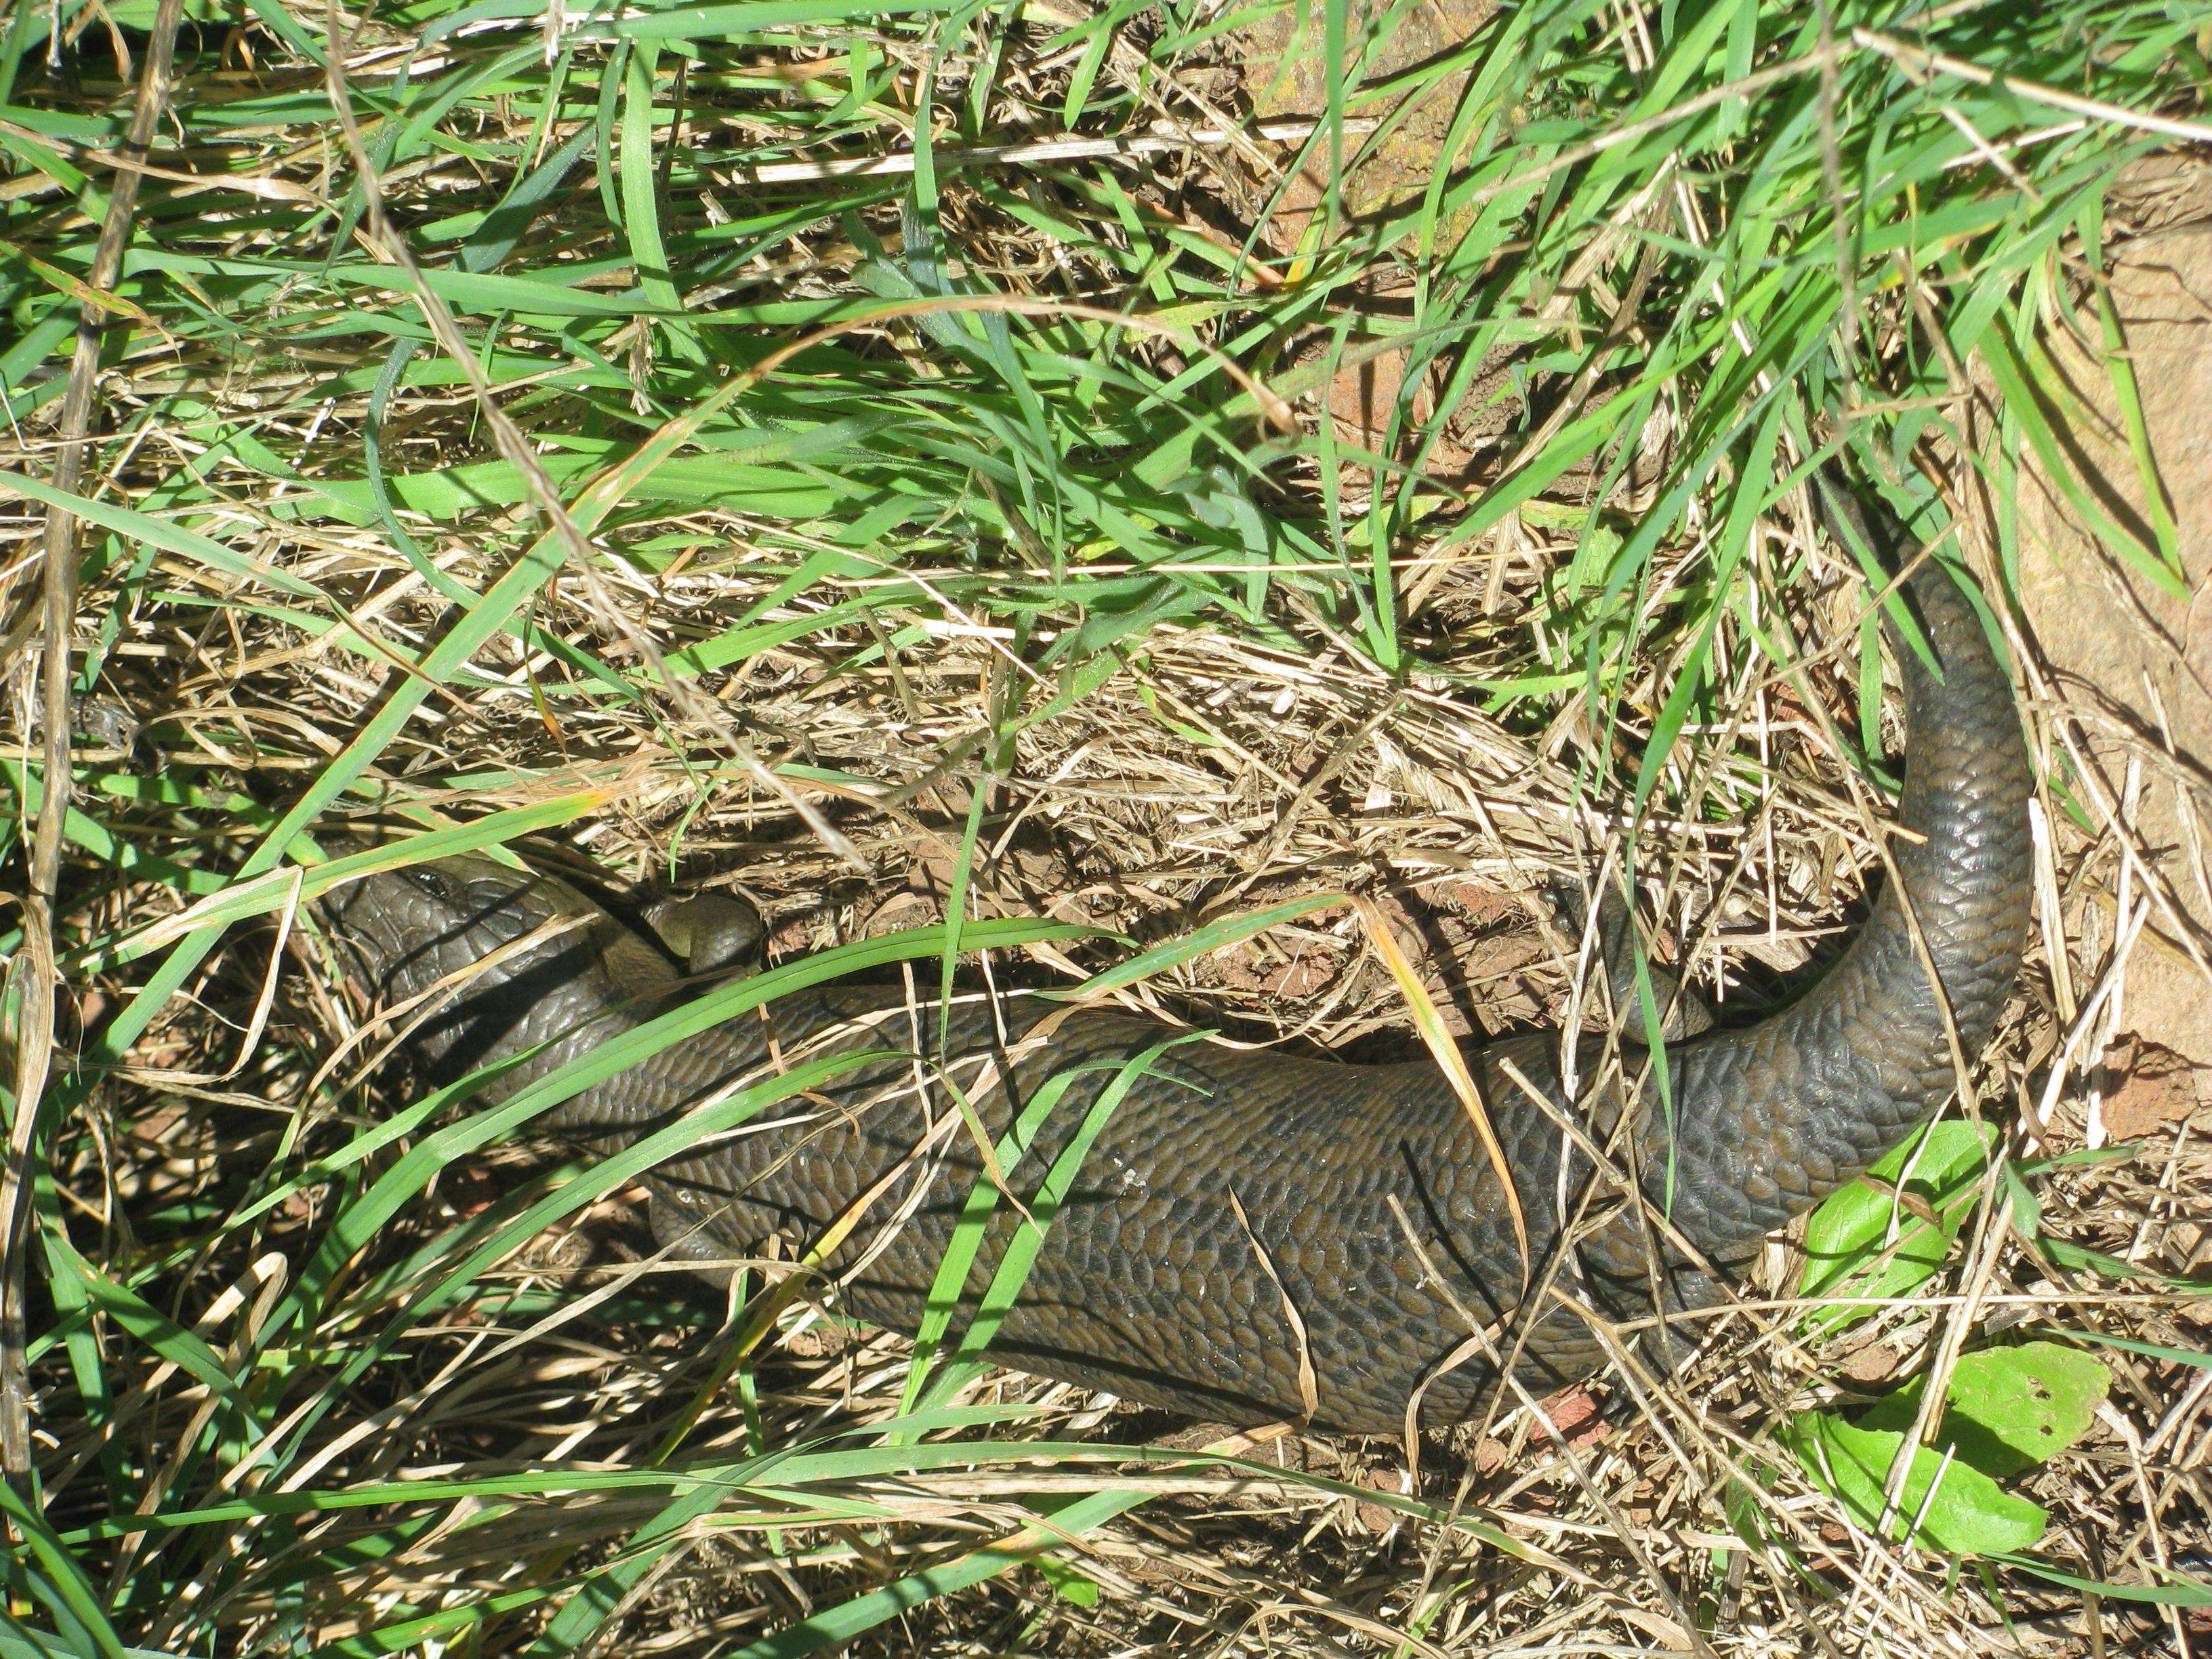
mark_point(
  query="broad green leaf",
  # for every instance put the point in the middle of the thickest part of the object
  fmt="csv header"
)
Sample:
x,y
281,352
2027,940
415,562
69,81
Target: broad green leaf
x,y
2009,1408
1968,1514
1848,1235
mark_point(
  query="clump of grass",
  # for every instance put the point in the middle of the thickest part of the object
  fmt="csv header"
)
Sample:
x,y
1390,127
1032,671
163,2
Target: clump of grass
x,y
503,426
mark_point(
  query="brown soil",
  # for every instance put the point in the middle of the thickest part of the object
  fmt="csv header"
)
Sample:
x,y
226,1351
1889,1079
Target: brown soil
x,y
2129,660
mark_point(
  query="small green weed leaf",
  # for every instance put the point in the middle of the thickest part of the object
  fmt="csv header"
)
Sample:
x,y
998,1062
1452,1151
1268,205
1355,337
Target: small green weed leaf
x,y
1068,1583
1968,1513
2009,1408
1745,1506
1848,1239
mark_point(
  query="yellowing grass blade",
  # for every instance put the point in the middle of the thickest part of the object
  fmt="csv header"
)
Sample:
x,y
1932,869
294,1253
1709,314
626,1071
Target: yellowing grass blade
x,y
1445,1052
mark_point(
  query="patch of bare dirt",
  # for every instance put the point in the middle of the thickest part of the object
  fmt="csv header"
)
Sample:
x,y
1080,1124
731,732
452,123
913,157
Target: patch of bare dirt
x,y
2156,1090
2129,659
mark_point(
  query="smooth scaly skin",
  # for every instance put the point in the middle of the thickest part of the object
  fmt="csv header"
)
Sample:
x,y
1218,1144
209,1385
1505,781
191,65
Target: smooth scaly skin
x,y
1149,1283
